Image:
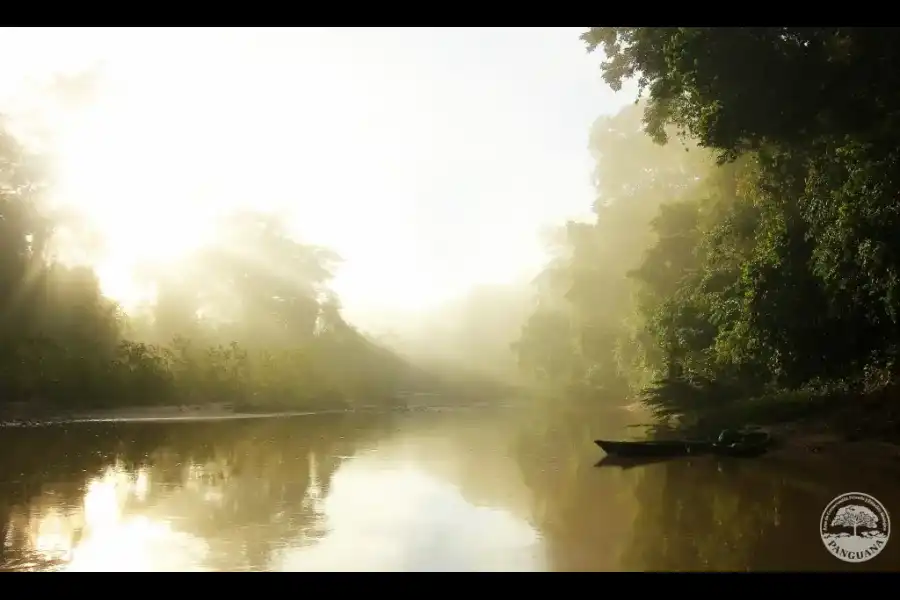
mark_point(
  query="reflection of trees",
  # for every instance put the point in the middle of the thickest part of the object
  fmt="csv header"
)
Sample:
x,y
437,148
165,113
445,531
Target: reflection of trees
x,y
694,517
244,487
249,489
473,451
675,515
736,515
692,514
584,513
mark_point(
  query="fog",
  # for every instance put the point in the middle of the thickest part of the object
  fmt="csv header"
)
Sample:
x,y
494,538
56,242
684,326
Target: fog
x,y
473,333
315,216
336,215
453,235
396,157
403,150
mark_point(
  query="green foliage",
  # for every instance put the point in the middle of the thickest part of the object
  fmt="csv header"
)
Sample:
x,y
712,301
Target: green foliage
x,y
586,333
771,271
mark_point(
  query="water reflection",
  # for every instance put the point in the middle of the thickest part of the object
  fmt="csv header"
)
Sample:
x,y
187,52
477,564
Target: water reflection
x,y
397,517
465,491
691,514
104,533
741,515
324,493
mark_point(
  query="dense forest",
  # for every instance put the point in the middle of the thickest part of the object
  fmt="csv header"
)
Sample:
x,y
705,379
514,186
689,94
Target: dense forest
x,y
248,320
743,244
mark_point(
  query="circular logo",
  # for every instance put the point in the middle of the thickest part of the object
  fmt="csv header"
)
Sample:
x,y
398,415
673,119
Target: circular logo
x,y
855,527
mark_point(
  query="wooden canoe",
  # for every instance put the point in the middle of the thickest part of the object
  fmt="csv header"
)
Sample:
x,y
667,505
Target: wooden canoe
x,y
747,444
647,449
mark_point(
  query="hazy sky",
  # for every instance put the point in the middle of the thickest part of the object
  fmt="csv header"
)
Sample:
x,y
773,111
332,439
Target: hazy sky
x,y
428,158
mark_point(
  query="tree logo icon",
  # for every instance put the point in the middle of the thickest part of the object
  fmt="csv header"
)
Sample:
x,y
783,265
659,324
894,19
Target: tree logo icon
x,y
855,527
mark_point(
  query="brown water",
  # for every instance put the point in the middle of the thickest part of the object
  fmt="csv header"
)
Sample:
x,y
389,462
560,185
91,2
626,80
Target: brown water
x,y
459,490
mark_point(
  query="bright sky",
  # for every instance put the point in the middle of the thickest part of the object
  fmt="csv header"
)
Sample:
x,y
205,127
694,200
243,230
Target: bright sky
x,y
428,158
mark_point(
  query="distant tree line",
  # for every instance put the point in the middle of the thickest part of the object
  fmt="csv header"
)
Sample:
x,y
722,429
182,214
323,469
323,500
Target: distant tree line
x,y
248,320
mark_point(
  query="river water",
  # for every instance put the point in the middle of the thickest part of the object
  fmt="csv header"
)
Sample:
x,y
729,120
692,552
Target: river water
x,y
454,490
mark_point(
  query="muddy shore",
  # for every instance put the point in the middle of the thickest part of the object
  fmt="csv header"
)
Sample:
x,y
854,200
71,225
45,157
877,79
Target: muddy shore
x,y
865,430
817,442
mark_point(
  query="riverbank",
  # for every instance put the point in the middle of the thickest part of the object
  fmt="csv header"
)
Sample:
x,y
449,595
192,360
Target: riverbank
x,y
197,413
136,414
827,425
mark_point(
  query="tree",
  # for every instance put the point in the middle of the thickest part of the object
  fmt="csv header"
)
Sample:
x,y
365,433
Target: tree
x,y
735,89
585,329
854,516
270,286
756,267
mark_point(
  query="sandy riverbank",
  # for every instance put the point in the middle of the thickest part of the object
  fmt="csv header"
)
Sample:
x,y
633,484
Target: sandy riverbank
x,y
195,413
148,414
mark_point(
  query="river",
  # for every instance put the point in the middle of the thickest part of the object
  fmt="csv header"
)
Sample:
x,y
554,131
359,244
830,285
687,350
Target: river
x,y
452,490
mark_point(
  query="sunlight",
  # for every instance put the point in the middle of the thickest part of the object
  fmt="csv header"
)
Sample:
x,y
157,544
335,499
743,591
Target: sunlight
x,y
107,164
53,538
137,545
103,499
102,537
118,281
409,168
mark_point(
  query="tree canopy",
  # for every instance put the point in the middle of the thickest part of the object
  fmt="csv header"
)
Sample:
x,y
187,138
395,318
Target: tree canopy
x,y
744,232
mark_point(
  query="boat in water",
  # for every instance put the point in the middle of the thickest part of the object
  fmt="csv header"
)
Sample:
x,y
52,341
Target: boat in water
x,y
729,443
